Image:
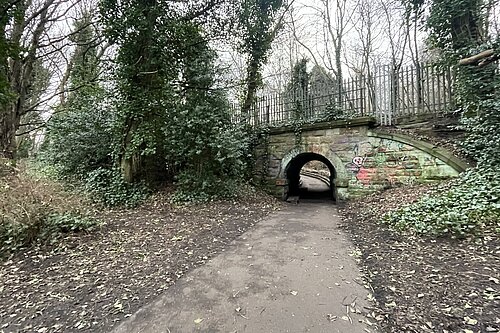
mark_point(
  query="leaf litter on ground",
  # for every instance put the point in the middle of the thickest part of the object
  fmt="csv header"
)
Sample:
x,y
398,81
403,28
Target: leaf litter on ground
x,y
424,284
90,282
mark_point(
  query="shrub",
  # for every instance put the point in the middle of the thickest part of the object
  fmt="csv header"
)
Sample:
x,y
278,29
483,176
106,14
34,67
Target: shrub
x,y
36,211
471,205
192,188
108,187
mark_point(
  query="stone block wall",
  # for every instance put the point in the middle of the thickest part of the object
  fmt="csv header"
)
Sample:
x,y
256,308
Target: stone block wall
x,y
365,160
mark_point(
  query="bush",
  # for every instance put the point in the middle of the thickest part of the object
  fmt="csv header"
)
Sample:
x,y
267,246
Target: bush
x,y
35,211
192,188
471,205
108,187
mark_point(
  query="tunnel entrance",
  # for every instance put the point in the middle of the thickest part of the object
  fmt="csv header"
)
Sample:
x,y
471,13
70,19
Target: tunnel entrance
x,y
311,176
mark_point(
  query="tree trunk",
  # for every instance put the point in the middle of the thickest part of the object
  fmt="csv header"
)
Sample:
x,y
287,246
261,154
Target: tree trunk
x,y
7,133
20,77
252,83
340,78
131,161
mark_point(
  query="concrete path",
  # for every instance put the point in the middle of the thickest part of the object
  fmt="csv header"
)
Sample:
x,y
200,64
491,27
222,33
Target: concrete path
x,y
294,272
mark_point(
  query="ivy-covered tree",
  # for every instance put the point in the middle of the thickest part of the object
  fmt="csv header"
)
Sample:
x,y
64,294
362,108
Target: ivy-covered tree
x,y
298,92
456,29
171,122
8,10
147,65
257,27
205,148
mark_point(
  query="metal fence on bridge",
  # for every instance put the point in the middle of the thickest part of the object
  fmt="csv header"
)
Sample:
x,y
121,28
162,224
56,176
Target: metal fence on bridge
x,y
386,94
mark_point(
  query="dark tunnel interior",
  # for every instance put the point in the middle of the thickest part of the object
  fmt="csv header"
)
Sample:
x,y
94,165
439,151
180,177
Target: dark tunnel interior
x,y
297,186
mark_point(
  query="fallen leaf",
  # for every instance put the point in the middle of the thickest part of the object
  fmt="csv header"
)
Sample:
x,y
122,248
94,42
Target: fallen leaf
x,y
391,304
470,321
494,280
331,317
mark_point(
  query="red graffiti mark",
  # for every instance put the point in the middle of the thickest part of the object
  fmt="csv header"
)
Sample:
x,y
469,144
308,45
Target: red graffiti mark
x,y
365,175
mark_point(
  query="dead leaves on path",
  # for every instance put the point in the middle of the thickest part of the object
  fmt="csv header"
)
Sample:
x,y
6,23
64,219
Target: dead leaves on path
x,y
91,282
423,284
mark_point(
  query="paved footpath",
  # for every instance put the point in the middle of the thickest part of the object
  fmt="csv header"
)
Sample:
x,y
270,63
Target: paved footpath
x,y
293,272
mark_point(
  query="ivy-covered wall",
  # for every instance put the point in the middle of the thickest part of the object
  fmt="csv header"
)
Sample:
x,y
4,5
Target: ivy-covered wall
x,y
365,160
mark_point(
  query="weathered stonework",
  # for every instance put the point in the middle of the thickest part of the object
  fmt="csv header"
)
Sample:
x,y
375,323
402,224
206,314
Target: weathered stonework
x,y
365,160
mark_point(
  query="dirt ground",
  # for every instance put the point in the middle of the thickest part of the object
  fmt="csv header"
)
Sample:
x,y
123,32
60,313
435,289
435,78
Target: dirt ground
x,y
424,284
92,282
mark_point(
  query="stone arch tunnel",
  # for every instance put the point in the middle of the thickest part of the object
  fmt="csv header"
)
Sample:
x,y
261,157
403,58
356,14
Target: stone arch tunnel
x,y
361,159
293,170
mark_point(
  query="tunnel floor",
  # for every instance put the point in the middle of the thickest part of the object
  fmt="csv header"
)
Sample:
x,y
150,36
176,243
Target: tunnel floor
x,y
314,189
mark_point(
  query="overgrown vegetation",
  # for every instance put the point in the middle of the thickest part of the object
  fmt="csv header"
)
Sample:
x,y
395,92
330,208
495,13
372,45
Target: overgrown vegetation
x,y
35,210
472,203
161,119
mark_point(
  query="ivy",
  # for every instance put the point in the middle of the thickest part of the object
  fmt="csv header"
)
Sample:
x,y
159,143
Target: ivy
x,y
470,206
472,203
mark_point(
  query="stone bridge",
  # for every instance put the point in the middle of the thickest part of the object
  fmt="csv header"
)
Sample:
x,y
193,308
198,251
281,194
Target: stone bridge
x,y
361,158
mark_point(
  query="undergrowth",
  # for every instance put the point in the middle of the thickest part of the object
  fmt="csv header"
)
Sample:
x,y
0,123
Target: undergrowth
x,y
108,187
470,206
37,211
102,185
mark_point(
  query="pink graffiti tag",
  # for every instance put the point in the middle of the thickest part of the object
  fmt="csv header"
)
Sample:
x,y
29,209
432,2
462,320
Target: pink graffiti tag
x,y
356,167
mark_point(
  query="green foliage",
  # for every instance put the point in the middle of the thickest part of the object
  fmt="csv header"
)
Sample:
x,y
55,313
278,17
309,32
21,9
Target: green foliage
x,y
300,77
483,140
79,138
8,10
456,24
201,141
41,229
149,35
255,28
208,187
471,205
169,115
108,187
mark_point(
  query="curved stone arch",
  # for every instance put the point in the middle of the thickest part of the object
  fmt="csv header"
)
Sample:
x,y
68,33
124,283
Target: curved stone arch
x,y
340,170
439,153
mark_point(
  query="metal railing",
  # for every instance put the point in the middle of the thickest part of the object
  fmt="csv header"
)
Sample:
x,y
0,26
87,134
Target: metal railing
x,y
387,94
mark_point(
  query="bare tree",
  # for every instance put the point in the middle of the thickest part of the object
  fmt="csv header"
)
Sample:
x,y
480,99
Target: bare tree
x,y
334,20
42,29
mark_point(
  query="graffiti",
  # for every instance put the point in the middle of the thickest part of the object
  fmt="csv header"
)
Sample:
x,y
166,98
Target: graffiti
x,y
362,174
356,165
384,163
